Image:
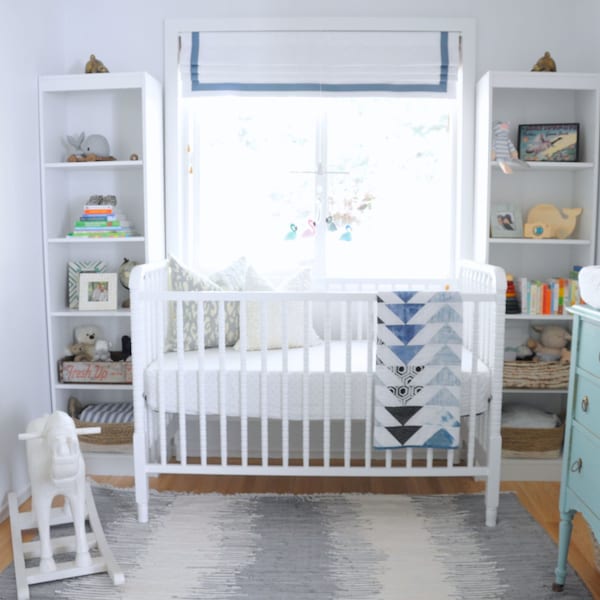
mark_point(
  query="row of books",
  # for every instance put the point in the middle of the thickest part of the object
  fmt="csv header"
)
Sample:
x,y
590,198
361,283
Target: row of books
x,y
549,297
101,221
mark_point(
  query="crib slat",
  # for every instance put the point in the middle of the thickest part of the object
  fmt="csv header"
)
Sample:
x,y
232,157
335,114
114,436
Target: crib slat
x,y
475,337
348,385
327,387
264,415
244,381
305,390
181,387
370,337
222,383
201,385
285,420
162,426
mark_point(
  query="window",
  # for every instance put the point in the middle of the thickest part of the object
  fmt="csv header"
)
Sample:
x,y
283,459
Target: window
x,y
355,186
353,179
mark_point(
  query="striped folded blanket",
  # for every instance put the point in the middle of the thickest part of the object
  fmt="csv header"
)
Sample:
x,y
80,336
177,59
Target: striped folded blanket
x,y
110,412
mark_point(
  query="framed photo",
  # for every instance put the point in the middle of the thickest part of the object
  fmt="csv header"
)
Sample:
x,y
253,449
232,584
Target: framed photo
x,y
551,142
74,269
506,221
98,291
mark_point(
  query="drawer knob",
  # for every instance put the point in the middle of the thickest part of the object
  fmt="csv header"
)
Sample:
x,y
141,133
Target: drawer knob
x,y
577,466
585,404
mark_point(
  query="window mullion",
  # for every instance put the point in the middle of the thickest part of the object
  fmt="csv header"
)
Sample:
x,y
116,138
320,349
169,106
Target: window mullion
x,y
321,193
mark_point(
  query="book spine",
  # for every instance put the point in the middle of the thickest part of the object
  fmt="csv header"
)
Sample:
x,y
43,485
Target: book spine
x,y
85,217
99,234
97,224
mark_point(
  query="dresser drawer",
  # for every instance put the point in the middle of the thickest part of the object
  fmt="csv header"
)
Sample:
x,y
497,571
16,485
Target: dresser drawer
x,y
588,351
586,402
584,466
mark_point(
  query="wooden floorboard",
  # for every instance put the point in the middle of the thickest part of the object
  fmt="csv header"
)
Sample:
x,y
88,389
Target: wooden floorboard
x,y
539,498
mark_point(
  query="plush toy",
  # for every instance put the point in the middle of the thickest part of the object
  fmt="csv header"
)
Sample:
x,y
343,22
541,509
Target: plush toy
x,y
88,149
88,346
503,150
552,345
81,352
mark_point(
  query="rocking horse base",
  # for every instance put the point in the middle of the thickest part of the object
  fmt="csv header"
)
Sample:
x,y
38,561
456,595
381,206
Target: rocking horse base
x,y
22,551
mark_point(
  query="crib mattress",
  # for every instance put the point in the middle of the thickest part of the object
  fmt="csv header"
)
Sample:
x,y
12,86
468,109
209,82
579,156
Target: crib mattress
x,y
312,393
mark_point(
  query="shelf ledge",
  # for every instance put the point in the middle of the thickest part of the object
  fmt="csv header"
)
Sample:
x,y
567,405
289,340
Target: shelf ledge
x,y
541,242
95,240
531,317
97,165
74,312
547,166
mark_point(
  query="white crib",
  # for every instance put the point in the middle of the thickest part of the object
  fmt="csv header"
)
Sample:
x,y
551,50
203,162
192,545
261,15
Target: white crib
x,y
305,407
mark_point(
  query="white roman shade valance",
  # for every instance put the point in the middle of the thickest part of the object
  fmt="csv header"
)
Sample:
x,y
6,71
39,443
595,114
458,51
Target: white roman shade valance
x,y
367,62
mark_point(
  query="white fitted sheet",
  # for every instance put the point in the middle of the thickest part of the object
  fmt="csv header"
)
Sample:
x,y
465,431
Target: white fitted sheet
x,y
306,390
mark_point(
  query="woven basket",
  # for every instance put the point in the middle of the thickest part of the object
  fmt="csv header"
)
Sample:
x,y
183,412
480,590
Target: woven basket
x,y
520,442
111,433
541,375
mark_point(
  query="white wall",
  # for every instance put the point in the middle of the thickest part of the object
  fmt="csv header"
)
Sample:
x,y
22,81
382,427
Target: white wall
x,y
28,45
39,37
512,34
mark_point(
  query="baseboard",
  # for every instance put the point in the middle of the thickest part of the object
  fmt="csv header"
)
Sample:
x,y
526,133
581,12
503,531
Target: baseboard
x,y
531,469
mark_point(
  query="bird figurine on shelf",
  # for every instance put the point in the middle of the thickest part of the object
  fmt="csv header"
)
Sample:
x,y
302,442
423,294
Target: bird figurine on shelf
x,y
95,65
291,234
331,226
546,63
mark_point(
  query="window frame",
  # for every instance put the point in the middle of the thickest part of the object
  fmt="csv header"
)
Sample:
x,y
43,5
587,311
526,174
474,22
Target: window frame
x,y
464,159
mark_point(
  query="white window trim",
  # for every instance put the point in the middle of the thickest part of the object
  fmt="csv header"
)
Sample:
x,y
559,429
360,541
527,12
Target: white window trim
x,y
464,200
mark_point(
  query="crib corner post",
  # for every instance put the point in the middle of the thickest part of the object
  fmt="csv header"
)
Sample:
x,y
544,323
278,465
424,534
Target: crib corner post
x,y
492,489
142,512
141,477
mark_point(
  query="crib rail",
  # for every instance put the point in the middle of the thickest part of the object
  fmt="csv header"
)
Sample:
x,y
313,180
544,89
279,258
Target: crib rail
x,y
294,439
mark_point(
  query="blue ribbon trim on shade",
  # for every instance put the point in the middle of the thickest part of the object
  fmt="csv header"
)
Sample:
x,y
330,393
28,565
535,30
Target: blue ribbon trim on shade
x,y
197,86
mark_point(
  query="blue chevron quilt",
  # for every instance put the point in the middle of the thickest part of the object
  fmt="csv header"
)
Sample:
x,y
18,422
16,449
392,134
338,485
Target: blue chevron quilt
x,y
418,373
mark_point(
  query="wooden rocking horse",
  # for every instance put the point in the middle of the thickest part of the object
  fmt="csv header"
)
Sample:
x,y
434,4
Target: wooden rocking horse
x,y
56,467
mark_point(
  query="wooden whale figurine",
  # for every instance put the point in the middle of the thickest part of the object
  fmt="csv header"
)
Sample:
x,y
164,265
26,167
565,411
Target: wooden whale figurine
x,y
563,220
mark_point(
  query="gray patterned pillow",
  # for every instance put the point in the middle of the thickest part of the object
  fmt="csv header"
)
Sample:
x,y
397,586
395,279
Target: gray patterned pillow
x,y
182,278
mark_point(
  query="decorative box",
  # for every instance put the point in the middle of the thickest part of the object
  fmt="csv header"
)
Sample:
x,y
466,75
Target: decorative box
x,y
115,371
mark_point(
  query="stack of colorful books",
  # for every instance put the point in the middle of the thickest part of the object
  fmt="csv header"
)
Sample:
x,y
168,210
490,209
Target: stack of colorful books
x,y
101,220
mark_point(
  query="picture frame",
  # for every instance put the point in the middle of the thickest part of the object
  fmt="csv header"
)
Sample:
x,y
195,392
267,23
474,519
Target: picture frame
x,y
97,291
506,221
74,269
549,142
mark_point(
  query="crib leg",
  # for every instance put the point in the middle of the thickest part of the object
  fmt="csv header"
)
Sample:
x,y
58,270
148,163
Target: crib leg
x,y
141,477
492,489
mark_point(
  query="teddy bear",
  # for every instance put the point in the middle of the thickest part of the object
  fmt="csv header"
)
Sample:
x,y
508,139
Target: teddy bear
x,y
88,346
552,344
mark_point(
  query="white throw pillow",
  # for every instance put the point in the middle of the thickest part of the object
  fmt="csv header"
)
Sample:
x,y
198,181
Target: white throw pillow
x,y
299,282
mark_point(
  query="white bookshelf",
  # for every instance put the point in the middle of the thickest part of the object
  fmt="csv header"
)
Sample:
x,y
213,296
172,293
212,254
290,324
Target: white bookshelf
x,y
537,98
126,108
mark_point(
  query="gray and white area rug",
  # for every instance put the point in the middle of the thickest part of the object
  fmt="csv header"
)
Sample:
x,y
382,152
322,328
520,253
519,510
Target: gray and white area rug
x,y
325,547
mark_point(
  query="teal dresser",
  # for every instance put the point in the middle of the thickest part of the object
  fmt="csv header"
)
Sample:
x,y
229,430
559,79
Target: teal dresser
x,y
580,483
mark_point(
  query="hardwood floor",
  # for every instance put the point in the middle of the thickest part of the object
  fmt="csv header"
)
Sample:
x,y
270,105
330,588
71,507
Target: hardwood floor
x,y
540,499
